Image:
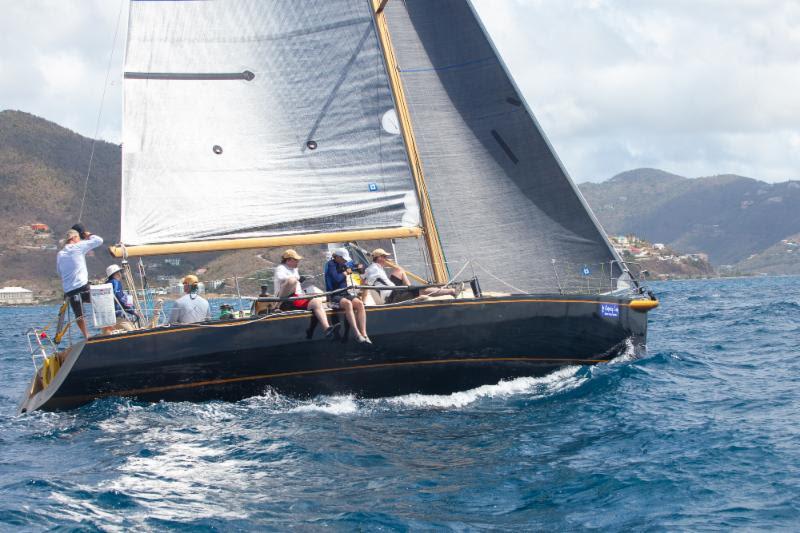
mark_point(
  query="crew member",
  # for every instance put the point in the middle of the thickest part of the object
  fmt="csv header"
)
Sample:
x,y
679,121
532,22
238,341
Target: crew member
x,y
191,307
71,266
376,274
337,271
122,305
288,283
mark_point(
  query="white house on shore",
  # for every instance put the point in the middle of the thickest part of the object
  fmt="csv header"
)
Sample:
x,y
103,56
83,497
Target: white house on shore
x,y
15,296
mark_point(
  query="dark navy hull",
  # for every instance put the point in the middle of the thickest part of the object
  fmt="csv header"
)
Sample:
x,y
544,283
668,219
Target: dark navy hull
x,y
432,347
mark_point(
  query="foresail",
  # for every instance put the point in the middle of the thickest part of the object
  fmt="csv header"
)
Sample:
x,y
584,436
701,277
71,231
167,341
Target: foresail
x,y
252,118
504,206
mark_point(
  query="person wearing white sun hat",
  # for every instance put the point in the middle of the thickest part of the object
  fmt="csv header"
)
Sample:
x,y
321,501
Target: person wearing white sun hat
x,y
122,304
337,272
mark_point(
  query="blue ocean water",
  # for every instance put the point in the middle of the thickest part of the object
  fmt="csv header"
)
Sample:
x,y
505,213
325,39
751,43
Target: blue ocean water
x,y
701,434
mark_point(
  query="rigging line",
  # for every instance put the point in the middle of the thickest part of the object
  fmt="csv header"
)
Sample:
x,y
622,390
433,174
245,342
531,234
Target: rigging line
x,y
498,279
453,278
100,111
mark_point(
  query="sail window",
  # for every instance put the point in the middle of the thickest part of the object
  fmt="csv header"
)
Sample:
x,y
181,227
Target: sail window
x,y
390,123
505,147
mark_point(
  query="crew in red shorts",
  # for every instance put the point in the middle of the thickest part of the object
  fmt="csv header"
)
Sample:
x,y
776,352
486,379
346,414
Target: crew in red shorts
x,y
287,283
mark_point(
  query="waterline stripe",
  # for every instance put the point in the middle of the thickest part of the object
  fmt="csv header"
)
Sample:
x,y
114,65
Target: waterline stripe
x,y
258,377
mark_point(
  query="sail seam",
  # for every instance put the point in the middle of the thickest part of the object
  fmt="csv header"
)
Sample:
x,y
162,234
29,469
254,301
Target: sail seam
x,y
448,67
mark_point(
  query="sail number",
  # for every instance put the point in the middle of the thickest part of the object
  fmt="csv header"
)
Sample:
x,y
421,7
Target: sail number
x,y
609,310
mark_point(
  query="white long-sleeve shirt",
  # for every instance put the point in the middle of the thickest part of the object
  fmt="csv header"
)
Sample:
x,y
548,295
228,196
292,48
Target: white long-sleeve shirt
x,y
71,263
376,272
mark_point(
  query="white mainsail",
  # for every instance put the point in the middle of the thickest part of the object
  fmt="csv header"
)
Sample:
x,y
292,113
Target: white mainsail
x,y
252,118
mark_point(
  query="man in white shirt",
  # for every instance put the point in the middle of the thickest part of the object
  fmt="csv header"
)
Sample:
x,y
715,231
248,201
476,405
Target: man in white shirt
x,y
287,280
191,307
71,266
376,275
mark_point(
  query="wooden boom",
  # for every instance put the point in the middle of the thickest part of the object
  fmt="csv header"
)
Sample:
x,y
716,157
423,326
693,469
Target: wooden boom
x,y
262,242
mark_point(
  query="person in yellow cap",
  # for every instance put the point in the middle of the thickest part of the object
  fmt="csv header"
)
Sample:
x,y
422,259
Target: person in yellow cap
x,y
191,307
376,275
287,280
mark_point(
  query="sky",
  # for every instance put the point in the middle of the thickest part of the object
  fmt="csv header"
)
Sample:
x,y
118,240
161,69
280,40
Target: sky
x,y
693,87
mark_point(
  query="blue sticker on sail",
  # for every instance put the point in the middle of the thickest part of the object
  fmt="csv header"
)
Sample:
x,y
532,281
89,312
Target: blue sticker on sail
x,y
585,271
609,310
373,187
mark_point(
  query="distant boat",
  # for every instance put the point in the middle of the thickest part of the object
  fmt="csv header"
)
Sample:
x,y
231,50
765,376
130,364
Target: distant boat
x,y
251,124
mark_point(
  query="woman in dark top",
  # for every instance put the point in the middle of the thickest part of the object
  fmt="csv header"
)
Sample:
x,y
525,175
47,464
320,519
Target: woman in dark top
x,y
337,272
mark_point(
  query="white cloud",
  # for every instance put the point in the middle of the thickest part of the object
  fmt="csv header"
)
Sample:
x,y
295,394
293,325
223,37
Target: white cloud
x,y
54,61
696,87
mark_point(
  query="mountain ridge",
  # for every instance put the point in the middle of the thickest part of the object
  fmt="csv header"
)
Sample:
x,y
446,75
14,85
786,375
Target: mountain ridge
x,y
729,217
43,168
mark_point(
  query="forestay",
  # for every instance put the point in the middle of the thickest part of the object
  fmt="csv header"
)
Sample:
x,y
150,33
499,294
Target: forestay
x,y
248,118
500,196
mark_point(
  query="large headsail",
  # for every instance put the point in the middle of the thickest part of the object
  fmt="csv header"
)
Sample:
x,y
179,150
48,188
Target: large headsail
x,y
500,196
248,118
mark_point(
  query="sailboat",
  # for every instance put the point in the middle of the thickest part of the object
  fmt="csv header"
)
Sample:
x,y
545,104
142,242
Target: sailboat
x,y
252,124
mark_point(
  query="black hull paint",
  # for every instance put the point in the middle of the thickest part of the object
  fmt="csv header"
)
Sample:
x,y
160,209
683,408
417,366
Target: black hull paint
x,y
433,347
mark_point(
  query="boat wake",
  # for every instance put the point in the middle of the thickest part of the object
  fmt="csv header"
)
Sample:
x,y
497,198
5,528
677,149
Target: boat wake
x,y
559,381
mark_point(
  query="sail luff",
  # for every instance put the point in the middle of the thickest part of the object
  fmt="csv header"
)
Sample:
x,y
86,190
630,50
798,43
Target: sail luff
x,y
432,241
262,242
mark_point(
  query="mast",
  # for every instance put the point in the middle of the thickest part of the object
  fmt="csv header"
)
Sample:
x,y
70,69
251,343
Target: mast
x,y
262,242
430,232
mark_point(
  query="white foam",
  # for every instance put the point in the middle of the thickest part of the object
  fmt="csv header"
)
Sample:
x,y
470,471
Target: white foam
x,y
336,405
560,380
626,356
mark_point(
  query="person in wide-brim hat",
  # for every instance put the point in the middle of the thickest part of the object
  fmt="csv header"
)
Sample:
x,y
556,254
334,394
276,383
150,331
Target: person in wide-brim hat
x,y
337,278
123,308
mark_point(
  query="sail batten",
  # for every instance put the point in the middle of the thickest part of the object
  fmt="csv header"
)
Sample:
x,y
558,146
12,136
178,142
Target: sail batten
x,y
247,119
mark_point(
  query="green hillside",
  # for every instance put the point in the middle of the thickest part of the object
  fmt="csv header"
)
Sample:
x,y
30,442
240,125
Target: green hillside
x,y
728,217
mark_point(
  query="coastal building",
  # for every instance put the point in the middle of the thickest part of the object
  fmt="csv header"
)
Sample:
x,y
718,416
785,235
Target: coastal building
x,y
15,296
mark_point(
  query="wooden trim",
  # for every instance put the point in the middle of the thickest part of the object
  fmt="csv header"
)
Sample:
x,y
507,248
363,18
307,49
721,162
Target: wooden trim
x,y
438,264
262,242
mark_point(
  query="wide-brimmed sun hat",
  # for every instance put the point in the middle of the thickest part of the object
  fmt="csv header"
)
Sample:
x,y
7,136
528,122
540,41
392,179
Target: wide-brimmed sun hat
x,y
343,253
112,269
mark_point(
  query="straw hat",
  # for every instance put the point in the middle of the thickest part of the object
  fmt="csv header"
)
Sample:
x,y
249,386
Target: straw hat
x,y
291,254
191,279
